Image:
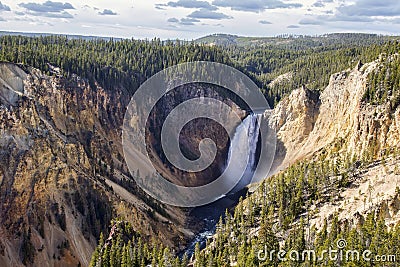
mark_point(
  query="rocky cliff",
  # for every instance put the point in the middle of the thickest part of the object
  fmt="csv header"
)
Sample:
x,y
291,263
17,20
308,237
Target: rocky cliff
x,y
62,174
336,124
336,120
192,133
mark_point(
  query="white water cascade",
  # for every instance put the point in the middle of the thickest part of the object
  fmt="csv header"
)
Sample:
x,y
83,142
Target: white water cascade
x,y
239,158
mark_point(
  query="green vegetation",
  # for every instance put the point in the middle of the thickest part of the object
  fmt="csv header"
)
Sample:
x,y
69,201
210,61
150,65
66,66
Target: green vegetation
x,y
127,249
384,82
111,63
128,63
280,210
294,42
307,65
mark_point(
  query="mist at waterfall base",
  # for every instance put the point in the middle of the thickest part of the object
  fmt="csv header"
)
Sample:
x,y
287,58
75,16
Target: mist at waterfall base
x,y
246,135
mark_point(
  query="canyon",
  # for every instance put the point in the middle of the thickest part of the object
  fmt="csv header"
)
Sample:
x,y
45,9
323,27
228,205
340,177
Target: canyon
x,y
63,177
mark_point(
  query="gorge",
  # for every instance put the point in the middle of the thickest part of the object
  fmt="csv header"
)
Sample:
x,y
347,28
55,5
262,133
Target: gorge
x,y
66,191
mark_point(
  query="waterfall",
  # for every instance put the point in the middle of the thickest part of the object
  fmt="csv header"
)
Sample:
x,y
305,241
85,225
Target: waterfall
x,y
238,156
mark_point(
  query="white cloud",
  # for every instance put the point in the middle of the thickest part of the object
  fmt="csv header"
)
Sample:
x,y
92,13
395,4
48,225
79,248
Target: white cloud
x,y
107,12
188,4
48,9
310,21
255,5
265,22
4,7
208,14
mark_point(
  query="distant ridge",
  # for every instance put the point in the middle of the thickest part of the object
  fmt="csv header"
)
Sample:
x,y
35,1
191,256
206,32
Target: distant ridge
x,y
221,39
72,36
286,39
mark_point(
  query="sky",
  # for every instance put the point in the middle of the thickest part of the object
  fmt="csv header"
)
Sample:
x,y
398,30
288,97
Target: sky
x,y
191,19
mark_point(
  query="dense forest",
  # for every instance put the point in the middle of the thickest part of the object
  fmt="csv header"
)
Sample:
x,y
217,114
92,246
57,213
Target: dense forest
x,y
128,63
384,83
111,63
310,66
126,248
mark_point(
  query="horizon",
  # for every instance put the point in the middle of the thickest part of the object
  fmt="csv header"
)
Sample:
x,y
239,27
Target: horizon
x,y
192,19
283,35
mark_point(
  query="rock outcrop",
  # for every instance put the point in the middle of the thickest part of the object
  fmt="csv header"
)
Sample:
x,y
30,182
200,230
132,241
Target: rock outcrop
x,y
192,133
62,174
339,117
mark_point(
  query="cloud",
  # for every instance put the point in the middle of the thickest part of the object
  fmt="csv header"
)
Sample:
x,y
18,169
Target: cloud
x,y
370,8
188,4
359,11
318,4
310,21
335,17
173,20
293,27
19,13
321,3
184,21
2,19
264,22
107,12
4,7
48,6
341,17
207,14
188,21
37,21
254,5
60,15
85,7
48,9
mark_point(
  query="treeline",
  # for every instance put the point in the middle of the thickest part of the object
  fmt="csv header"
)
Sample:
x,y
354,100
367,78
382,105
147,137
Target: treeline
x,y
296,42
384,83
128,63
348,244
126,248
310,66
111,63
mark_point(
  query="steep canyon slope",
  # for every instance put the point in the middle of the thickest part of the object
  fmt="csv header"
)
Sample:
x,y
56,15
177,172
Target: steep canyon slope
x,y
61,171
339,119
